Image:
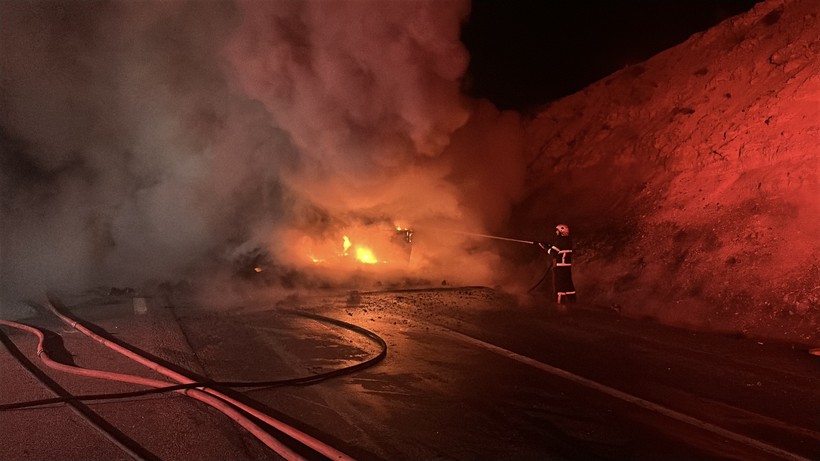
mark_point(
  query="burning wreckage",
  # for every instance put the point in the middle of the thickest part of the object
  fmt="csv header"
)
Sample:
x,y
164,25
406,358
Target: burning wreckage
x,y
365,248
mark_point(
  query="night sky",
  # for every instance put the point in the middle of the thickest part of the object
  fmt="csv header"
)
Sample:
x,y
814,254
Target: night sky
x,y
525,53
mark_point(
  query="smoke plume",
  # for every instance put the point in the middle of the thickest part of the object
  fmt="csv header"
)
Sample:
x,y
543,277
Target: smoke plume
x,y
141,139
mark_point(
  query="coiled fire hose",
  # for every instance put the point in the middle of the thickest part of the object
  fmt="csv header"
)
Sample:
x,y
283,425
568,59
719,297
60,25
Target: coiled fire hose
x,y
197,394
55,307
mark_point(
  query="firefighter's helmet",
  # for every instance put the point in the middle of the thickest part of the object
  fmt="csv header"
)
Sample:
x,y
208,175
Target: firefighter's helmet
x,y
562,229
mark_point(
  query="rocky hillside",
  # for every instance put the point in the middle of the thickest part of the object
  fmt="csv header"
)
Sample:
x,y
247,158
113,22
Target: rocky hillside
x,y
691,180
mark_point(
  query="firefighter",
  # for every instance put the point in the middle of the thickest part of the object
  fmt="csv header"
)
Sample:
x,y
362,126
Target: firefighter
x,y
561,251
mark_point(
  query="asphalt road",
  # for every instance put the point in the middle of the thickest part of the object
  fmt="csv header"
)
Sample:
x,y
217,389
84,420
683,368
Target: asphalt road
x,y
470,374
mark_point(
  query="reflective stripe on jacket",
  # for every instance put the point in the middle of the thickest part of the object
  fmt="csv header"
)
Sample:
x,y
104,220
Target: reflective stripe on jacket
x,y
561,250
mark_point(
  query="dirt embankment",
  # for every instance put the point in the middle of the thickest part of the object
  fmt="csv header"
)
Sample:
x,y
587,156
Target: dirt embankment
x,y
691,180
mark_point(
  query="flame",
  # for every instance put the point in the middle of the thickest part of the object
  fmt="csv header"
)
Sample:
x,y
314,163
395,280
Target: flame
x,y
365,255
257,269
358,246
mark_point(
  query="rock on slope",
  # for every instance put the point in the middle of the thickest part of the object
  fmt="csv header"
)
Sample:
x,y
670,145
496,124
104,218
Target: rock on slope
x,y
691,179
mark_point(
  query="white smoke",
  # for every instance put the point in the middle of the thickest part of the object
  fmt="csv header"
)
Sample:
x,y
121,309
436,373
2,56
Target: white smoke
x,y
141,138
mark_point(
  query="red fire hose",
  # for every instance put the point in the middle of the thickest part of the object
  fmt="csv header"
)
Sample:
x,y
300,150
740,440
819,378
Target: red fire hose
x,y
296,434
215,402
98,424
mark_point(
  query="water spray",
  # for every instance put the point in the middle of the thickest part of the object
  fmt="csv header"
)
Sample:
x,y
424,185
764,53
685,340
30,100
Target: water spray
x,y
529,242
508,239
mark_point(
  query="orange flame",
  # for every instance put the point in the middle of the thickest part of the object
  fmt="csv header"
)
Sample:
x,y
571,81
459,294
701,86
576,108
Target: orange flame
x,y
345,245
365,255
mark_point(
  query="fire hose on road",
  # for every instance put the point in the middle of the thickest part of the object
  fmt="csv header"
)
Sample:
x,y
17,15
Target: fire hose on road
x,y
56,308
197,394
110,433
201,391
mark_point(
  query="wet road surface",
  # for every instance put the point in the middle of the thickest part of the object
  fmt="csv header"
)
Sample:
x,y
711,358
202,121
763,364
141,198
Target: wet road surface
x,y
438,396
475,374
